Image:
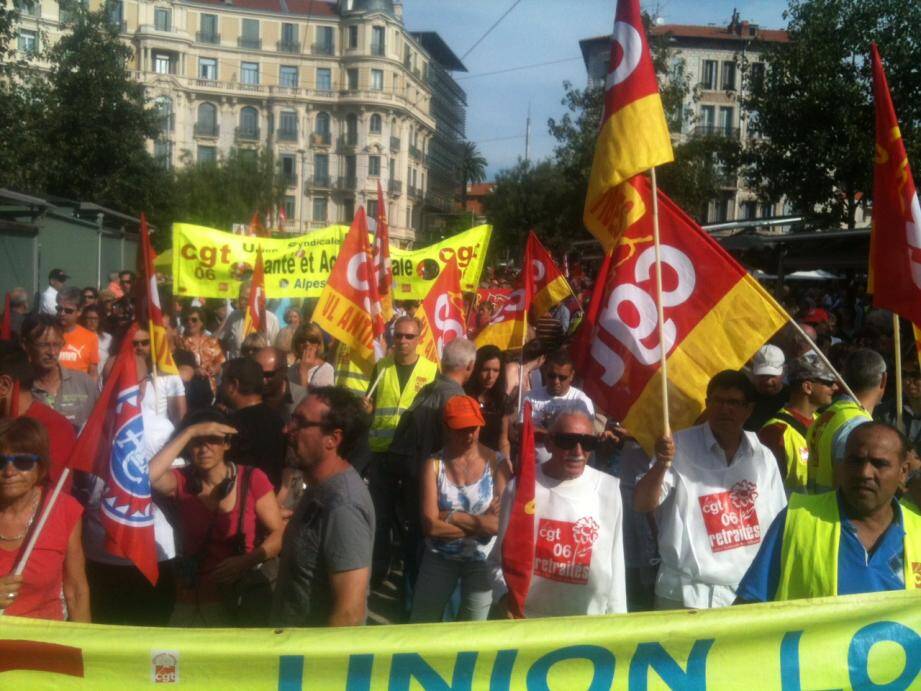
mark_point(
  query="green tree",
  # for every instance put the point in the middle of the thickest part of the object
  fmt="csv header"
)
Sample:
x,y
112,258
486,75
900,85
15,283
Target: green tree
x,y
471,169
812,112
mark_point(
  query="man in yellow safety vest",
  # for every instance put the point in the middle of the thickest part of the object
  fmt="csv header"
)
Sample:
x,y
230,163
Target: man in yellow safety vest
x,y
858,539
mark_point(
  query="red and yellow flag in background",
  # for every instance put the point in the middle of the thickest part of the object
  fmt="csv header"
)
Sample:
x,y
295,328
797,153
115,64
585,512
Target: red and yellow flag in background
x,y
509,325
383,268
254,317
148,310
344,309
716,317
634,132
895,242
442,312
550,285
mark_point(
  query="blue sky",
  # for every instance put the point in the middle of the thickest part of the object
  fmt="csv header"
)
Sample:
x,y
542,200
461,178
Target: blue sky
x,y
541,31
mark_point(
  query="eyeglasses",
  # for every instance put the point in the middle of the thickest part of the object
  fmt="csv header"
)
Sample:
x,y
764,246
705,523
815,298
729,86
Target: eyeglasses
x,y
734,403
567,441
137,344
23,462
65,310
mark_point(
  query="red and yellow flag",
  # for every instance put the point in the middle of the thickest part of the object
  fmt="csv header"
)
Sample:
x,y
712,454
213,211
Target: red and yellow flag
x,y
382,266
634,133
716,317
442,313
895,242
518,541
550,285
345,307
148,310
509,325
254,317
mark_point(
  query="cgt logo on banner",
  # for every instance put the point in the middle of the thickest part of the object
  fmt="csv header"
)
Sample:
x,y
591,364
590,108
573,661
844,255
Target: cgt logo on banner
x,y
860,642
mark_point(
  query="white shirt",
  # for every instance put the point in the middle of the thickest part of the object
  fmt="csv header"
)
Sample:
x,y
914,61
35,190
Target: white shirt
x,y
544,407
154,401
712,516
578,544
49,300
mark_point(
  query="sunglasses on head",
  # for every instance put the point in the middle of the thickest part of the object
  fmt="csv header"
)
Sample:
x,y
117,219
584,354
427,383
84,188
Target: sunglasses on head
x,y
23,462
567,441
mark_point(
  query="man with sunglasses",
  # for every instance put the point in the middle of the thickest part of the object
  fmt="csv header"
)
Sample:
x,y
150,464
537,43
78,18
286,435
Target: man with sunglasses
x,y
578,520
715,490
812,386
81,346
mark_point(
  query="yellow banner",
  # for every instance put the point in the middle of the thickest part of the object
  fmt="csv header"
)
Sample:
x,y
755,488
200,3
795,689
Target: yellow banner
x,y
211,263
859,642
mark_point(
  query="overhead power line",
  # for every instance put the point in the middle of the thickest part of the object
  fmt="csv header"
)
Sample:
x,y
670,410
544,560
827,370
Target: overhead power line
x,y
515,69
489,30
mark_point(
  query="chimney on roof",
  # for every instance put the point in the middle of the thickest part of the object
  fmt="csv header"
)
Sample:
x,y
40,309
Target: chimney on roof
x,y
735,23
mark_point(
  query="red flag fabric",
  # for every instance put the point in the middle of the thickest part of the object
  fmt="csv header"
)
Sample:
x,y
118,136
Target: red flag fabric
x,y
549,285
508,328
148,310
583,338
383,268
256,227
254,319
895,242
442,312
518,541
6,328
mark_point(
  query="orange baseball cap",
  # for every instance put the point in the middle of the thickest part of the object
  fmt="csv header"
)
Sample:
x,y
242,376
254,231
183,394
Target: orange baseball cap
x,y
462,412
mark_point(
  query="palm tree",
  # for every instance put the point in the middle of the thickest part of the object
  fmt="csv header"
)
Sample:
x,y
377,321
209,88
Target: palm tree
x,y
472,168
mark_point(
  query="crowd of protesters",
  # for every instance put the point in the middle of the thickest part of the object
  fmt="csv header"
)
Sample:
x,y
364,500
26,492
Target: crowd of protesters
x,y
288,484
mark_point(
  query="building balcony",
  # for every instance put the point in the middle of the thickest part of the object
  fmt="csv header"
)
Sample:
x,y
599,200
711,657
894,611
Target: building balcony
x,y
322,49
414,192
347,141
208,37
318,182
287,135
288,47
715,131
246,134
290,180
378,49
346,183
207,129
23,9
415,153
320,138
394,144
395,187
251,43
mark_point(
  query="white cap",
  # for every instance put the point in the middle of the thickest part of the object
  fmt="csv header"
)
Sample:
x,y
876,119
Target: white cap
x,y
769,360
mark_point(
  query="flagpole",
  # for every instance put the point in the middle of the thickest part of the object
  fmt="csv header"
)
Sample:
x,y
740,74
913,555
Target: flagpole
x,y
897,345
663,354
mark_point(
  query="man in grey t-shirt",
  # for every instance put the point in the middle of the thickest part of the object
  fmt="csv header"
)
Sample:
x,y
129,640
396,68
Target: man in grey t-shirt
x,y
326,554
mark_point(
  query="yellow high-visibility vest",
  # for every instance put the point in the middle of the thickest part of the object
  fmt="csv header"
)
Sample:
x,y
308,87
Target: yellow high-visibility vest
x,y
796,450
390,402
821,440
351,373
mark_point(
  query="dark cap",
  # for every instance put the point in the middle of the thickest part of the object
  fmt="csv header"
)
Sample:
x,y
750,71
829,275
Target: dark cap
x,y
809,367
57,275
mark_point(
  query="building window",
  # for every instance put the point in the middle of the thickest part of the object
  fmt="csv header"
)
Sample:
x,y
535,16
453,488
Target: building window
x,y
378,46
321,171
707,120
393,168
287,125
249,34
249,73
708,75
162,152
207,120
767,210
375,126
374,166
325,42
729,75
287,76
352,76
727,118
289,208
116,13
353,37
377,80
207,32
351,129
348,210
162,19
749,210
372,208
351,167
28,41
207,154
757,76
289,43
288,169
320,205
324,79
322,126
162,63
249,123
164,106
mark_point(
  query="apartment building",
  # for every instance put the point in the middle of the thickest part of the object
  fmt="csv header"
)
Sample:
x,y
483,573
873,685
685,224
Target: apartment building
x,y
341,92
720,63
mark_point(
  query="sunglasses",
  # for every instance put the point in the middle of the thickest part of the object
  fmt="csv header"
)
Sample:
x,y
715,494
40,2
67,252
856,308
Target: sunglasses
x,y
567,441
66,310
145,342
23,462
404,336
298,423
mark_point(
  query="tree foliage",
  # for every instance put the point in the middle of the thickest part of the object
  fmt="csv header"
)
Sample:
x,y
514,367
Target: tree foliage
x,y
814,109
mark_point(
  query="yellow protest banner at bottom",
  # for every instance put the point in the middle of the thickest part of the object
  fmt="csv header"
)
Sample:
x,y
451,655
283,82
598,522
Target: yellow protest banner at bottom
x,y
862,641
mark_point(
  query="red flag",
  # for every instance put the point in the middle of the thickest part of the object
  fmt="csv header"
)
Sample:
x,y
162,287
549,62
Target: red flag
x,y
382,265
895,242
442,312
148,310
549,285
6,329
509,326
282,217
583,339
518,542
255,226
254,318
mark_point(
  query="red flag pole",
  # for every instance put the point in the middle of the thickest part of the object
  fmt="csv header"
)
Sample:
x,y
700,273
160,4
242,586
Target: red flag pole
x,y
663,354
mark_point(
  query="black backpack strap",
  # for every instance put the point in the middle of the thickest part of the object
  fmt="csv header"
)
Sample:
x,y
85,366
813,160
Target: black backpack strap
x,y
792,421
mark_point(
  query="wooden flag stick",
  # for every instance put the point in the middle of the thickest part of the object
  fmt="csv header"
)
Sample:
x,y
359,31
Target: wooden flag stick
x,y
380,375
663,354
897,345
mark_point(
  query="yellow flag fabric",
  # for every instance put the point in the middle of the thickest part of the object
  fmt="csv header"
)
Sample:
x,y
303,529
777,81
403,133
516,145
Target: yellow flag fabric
x,y
856,642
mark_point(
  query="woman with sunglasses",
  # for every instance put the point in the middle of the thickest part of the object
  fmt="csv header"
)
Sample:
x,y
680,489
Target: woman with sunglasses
x,y
460,490
56,565
209,355
487,386
223,510
311,368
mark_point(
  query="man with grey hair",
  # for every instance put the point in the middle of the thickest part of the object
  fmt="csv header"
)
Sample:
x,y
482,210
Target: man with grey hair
x,y
578,528
865,373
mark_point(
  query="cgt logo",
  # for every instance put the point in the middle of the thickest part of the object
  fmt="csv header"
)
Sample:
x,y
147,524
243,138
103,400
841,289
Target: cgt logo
x,y
35,656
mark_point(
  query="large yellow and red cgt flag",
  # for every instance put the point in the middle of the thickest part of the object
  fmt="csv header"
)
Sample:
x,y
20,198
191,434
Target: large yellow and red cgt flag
x,y
346,307
549,284
716,317
382,265
442,312
509,325
148,310
895,242
254,318
634,133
